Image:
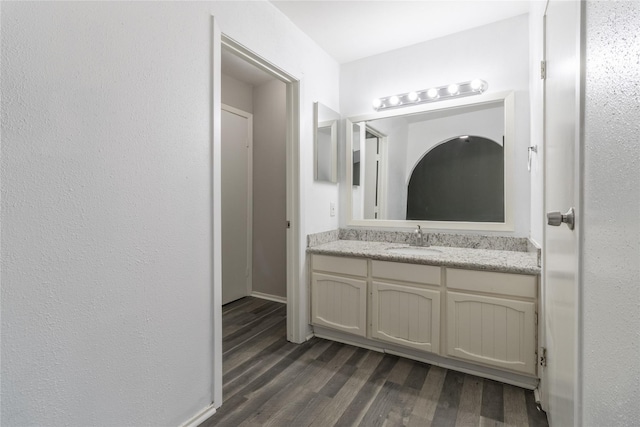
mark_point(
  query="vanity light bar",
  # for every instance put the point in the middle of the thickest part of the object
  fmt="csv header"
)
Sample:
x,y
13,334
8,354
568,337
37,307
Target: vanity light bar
x,y
434,94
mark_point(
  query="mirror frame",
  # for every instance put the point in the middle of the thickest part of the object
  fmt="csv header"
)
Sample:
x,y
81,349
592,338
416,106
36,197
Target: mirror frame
x,y
508,98
333,124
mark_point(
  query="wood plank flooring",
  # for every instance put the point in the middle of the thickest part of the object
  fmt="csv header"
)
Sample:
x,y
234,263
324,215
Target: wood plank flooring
x,y
271,382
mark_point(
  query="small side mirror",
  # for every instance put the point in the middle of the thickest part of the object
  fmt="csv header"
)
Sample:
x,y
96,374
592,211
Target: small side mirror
x,y
325,141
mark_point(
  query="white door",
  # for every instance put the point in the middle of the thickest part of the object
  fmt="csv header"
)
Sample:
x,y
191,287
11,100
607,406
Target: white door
x,y
236,220
562,120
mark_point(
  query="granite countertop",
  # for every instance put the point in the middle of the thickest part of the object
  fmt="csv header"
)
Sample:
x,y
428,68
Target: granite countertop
x,y
472,259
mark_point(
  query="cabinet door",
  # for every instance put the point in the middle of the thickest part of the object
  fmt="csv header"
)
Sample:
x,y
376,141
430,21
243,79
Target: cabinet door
x,y
339,302
493,331
406,315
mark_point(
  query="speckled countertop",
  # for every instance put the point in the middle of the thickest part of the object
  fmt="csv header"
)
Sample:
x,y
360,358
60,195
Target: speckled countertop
x,y
472,259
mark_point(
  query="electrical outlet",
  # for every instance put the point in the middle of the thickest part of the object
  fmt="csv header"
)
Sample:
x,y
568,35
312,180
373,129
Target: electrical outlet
x,y
332,208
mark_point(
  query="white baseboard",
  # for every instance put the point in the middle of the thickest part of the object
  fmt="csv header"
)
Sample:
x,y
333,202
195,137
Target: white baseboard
x,y
200,417
269,297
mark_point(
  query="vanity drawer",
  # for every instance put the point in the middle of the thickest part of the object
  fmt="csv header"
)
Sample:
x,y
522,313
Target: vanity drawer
x,y
426,274
518,285
340,265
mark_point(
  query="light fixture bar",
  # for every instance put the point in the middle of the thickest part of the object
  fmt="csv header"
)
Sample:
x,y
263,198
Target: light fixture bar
x,y
434,94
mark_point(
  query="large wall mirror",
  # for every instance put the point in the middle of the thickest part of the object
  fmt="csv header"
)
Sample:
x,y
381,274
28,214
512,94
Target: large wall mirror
x,y
325,141
444,165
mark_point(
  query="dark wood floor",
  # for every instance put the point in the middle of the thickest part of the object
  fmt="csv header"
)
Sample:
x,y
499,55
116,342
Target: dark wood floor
x,y
271,382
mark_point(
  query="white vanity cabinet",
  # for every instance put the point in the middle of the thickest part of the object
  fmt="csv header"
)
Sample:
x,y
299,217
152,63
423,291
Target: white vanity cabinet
x,y
491,318
475,320
405,304
339,293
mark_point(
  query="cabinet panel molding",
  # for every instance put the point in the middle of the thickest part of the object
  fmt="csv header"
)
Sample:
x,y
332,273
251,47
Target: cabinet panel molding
x,y
495,331
339,302
341,265
406,315
518,285
426,274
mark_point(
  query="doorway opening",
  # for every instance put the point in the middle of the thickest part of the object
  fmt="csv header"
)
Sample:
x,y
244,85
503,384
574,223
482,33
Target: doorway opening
x,y
369,172
253,128
261,102
375,160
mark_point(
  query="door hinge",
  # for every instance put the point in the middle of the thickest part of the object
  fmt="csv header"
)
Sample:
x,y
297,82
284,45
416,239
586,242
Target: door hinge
x,y
543,70
543,356
536,317
288,224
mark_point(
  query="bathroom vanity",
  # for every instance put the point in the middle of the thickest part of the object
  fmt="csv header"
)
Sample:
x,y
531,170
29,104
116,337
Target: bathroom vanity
x,y
473,310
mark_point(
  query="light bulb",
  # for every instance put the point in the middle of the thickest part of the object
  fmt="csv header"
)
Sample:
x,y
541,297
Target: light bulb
x,y
377,103
476,84
412,96
452,89
394,100
432,93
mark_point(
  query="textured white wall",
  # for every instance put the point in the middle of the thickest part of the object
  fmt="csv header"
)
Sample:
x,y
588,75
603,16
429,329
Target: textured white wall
x,y
106,202
611,221
497,53
106,227
269,189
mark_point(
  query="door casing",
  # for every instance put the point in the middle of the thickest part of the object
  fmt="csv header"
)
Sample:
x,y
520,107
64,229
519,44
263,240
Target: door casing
x,y
296,325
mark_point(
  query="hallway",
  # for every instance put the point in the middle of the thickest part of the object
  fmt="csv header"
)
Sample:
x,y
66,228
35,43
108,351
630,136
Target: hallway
x,y
269,381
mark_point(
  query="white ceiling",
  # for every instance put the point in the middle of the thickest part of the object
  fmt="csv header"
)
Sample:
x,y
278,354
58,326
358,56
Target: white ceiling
x,y
351,30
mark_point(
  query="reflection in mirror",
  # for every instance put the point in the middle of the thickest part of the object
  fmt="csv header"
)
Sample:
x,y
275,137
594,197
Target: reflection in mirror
x,y
325,143
461,179
441,167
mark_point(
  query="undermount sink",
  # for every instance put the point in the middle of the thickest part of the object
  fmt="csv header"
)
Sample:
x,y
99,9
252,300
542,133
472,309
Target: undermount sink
x,y
415,250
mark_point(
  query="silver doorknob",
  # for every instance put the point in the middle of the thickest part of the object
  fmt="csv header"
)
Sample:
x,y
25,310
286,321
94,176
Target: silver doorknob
x,y
557,218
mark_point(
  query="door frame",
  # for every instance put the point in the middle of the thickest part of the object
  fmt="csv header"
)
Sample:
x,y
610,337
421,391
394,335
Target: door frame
x,y
249,248
295,324
382,178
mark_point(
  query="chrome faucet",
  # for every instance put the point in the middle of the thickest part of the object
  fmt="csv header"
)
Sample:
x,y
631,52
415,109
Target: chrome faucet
x,y
419,240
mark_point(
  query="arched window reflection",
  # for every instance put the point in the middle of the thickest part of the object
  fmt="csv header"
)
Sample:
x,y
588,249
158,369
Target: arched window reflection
x,y
461,179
